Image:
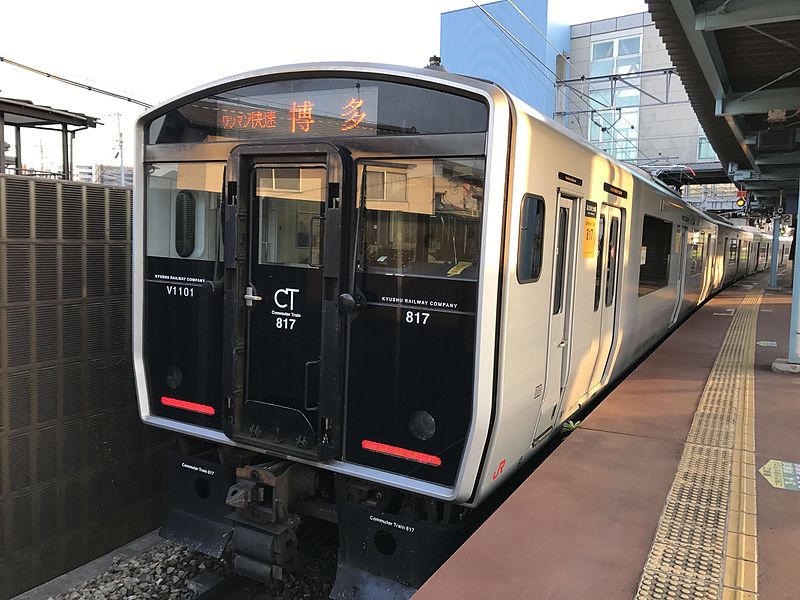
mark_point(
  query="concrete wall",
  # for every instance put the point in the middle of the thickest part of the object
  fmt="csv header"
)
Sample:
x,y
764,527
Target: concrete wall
x,y
79,473
471,44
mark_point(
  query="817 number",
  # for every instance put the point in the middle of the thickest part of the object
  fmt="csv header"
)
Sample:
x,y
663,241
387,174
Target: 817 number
x,y
284,323
416,317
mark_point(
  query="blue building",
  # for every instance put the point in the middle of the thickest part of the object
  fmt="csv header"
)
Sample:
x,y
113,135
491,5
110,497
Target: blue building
x,y
502,46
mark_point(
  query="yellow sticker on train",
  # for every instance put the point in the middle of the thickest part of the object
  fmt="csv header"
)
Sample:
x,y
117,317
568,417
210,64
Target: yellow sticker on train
x,y
459,268
589,229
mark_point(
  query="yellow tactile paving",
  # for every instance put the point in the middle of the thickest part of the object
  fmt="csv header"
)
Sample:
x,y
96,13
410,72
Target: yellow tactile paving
x,y
705,545
741,546
734,594
741,575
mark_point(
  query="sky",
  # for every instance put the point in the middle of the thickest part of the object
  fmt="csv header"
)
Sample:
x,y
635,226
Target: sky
x,y
155,50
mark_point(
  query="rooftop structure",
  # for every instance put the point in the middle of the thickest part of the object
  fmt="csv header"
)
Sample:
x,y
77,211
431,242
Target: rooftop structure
x,y
24,113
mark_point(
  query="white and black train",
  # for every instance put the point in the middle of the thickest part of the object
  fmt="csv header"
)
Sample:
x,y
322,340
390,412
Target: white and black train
x,y
367,294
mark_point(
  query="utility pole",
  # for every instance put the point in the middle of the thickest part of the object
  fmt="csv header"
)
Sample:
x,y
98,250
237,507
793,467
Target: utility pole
x,y
121,161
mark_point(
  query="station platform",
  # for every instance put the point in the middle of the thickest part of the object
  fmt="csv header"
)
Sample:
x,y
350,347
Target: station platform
x,y
682,483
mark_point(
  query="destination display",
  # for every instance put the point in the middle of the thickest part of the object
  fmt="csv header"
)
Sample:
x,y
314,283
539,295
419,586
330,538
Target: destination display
x,y
325,113
321,107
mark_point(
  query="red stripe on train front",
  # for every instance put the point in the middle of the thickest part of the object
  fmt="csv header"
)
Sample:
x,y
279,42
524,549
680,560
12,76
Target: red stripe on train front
x,y
203,409
420,457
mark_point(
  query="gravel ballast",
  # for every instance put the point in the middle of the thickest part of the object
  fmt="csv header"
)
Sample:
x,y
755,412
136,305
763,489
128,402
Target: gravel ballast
x,y
164,571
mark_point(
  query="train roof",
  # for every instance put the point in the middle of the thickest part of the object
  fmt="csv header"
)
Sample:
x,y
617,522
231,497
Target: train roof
x,y
344,67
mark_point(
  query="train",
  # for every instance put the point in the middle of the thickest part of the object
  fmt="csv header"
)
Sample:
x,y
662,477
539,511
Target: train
x,y
366,295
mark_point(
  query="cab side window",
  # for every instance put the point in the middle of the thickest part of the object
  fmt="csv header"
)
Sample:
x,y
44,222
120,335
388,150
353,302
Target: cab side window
x,y
531,239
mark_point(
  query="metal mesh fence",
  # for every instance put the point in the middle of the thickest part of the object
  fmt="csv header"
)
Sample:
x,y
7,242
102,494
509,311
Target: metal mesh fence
x,y
79,473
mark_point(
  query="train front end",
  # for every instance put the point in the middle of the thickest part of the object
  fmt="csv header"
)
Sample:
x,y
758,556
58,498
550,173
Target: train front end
x,y
316,264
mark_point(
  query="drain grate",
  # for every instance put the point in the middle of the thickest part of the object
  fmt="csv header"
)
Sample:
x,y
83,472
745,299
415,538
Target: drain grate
x,y
688,557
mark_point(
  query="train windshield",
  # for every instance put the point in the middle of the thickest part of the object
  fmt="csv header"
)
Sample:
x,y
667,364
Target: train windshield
x,y
421,217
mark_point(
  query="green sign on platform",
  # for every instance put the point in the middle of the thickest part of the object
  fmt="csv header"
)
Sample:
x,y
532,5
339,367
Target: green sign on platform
x,y
782,474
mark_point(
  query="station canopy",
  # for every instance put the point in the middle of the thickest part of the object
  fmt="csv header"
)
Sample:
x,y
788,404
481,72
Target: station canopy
x,y
739,61
25,114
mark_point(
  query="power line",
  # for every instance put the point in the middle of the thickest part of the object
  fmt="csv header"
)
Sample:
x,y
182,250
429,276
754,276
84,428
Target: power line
x,y
572,66
588,83
84,86
611,126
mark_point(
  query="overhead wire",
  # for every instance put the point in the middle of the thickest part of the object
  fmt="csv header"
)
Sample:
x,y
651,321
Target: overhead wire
x,y
583,77
549,42
72,82
528,51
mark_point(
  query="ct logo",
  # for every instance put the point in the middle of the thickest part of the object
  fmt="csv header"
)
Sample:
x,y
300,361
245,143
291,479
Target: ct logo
x,y
284,298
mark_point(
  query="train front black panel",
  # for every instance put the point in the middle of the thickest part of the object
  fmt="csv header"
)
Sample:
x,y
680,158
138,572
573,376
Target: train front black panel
x,y
183,329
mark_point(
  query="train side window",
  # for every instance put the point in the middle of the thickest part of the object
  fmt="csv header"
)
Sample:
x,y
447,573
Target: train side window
x,y
611,263
697,254
598,274
655,254
733,251
185,210
531,239
561,248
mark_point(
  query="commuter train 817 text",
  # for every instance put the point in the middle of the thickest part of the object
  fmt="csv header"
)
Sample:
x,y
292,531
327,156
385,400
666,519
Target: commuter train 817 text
x,y
367,294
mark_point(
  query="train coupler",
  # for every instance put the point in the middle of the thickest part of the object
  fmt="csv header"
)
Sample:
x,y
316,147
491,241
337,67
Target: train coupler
x,y
264,541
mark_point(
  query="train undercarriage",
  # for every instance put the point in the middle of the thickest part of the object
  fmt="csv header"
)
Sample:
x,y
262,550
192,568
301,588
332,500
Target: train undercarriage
x,y
258,512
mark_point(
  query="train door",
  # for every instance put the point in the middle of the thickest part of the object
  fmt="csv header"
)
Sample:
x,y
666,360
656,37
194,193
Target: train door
x,y
608,266
561,311
680,237
283,232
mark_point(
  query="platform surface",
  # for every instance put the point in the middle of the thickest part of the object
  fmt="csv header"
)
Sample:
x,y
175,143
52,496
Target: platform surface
x,y
593,521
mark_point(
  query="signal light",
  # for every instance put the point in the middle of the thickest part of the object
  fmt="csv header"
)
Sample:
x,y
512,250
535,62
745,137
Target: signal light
x,y
740,202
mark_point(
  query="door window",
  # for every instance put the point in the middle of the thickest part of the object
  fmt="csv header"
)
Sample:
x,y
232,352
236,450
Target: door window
x,y
611,263
598,275
291,204
561,249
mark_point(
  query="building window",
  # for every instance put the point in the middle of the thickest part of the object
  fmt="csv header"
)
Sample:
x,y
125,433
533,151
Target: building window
x,y
386,185
655,254
614,125
616,57
704,149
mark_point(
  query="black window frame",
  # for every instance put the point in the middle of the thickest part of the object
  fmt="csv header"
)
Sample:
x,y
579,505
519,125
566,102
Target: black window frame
x,y
528,241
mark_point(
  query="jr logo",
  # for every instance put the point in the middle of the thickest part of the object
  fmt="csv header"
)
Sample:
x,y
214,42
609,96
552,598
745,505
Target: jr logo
x,y
497,473
284,298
